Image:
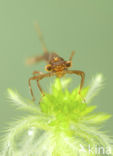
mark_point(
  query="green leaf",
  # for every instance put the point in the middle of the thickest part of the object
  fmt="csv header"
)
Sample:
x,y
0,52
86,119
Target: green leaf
x,y
97,118
23,103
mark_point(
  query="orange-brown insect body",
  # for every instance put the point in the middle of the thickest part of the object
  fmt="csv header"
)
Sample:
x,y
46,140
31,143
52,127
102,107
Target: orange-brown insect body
x,y
57,66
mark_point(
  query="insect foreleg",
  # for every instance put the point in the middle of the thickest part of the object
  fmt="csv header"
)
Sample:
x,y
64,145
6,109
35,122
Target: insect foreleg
x,y
37,78
80,73
29,82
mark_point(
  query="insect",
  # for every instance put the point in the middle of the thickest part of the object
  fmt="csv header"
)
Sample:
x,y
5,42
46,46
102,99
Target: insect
x,y
56,66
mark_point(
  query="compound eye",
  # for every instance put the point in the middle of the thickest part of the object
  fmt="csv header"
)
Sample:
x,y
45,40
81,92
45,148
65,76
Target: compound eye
x,y
48,67
68,64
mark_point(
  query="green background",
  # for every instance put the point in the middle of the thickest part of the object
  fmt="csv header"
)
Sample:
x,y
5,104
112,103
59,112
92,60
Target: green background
x,y
82,25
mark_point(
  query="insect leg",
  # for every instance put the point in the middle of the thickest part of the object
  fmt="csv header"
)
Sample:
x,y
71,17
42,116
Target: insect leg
x,y
80,73
37,72
33,60
72,54
41,38
29,82
40,88
37,78
41,77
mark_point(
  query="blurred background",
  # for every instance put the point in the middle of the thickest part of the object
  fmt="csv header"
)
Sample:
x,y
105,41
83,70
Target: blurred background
x,y
85,26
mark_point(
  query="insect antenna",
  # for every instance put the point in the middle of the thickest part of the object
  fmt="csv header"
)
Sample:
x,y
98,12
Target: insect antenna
x,y
37,28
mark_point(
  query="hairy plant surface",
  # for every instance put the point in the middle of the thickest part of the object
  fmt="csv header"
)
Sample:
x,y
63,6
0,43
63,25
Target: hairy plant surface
x,y
63,124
